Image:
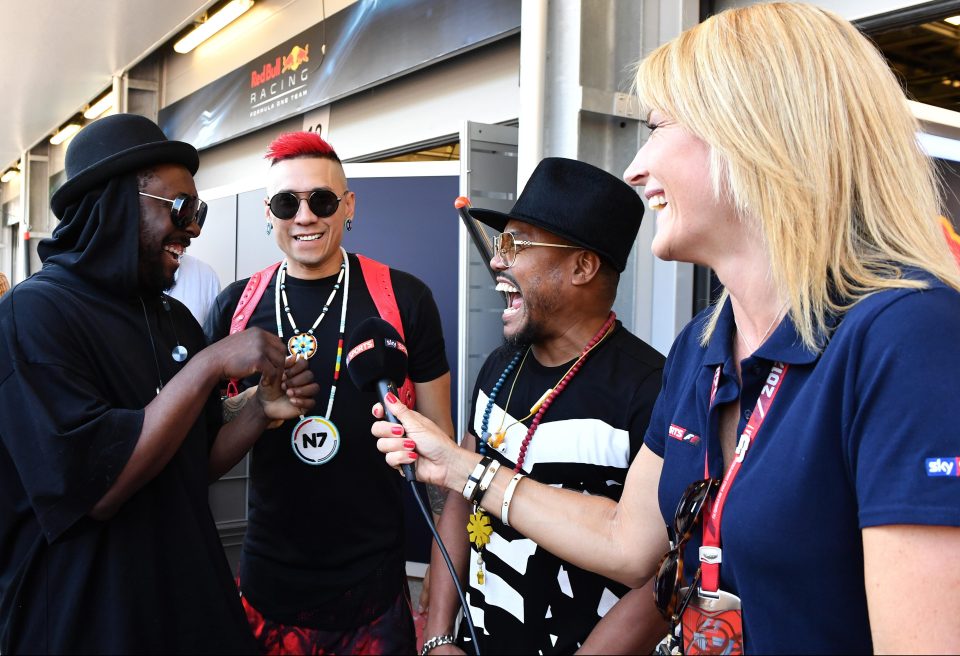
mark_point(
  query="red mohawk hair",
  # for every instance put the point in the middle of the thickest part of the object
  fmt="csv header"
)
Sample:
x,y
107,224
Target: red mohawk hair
x,y
293,145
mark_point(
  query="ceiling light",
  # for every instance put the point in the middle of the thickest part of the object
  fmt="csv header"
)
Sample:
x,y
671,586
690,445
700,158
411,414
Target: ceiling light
x,y
10,174
953,20
100,106
65,133
230,12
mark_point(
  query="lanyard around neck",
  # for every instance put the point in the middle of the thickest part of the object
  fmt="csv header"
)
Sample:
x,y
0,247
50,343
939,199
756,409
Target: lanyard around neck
x,y
710,553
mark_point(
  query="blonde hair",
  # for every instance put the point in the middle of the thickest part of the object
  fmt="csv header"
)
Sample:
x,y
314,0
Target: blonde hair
x,y
4,283
812,138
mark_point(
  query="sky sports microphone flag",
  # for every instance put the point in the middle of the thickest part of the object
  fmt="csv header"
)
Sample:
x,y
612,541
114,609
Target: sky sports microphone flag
x,y
377,360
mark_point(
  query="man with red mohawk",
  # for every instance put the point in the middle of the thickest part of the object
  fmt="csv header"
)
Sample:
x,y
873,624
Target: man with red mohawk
x,y
322,567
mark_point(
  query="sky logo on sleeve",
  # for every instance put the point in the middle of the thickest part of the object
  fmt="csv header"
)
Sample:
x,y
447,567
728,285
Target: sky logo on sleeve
x,y
943,466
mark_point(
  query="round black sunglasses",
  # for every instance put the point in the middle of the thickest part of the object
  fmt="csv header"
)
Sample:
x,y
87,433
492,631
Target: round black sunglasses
x,y
322,202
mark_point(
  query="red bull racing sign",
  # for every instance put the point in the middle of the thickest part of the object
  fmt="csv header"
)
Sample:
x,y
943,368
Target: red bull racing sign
x,y
279,82
367,43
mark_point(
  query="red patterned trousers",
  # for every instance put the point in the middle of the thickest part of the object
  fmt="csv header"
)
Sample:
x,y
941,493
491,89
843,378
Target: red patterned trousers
x,y
390,633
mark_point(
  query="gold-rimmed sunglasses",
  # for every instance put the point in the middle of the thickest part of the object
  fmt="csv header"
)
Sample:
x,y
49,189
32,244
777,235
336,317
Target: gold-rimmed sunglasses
x,y
506,246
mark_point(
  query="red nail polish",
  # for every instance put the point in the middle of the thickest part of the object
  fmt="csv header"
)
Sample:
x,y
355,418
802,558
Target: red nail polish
x,y
391,398
409,444
414,455
396,430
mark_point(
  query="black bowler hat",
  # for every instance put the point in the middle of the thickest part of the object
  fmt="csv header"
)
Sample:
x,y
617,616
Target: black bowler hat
x,y
115,145
580,203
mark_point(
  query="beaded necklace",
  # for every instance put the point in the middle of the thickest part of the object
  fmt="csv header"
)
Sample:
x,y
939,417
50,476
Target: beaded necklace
x,y
478,526
302,344
281,291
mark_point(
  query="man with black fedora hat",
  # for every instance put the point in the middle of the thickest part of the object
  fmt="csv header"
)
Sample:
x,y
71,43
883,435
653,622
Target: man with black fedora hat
x,y
565,401
109,420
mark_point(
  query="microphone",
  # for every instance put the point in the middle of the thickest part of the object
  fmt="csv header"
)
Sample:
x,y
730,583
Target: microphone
x,y
377,360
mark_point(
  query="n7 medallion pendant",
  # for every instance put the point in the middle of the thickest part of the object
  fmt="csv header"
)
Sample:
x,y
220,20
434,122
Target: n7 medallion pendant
x,y
315,440
302,344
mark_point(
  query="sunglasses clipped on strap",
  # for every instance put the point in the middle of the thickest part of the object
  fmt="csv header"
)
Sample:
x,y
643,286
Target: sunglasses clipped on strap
x,y
184,209
322,202
668,579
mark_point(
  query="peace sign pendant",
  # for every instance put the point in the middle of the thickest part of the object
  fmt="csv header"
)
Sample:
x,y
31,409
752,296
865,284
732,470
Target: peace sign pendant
x,y
302,344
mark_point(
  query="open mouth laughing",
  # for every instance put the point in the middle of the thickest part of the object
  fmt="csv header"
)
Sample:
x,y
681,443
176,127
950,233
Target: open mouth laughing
x,y
175,250
513,296
657,202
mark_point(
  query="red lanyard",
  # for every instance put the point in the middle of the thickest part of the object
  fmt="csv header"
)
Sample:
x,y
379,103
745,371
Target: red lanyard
x,y
710,554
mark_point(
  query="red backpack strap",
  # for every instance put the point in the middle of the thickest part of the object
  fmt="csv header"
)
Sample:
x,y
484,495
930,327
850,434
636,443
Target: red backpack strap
x,y
377,277
249,299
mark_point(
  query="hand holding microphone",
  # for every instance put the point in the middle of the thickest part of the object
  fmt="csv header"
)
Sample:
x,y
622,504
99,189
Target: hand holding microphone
x,y
377,360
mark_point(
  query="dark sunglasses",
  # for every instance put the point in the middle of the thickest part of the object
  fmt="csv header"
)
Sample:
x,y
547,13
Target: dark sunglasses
x,y
184,209
669,577
322,202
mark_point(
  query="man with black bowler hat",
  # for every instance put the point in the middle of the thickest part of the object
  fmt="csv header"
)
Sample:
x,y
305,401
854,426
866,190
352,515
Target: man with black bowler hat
x,y
110,426
566,401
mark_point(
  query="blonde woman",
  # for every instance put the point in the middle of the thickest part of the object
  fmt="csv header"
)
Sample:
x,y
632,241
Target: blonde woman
x,y
804,448
4,283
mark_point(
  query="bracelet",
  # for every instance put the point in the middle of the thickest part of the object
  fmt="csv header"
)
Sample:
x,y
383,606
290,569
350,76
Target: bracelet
x,y
486,480
507,497
470,487
435,642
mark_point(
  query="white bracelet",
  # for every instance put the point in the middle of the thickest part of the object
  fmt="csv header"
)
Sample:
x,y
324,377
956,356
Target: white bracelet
x,y
507,497
486,480
470,486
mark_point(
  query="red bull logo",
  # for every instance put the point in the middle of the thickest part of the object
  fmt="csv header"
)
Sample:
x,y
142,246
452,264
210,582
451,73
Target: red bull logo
x,y
280,65
296,57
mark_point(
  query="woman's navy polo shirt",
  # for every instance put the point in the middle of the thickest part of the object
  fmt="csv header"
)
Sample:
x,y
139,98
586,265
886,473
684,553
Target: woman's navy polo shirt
x,y
864,435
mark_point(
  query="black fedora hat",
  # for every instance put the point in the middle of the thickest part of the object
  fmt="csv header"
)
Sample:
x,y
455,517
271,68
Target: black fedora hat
x,y
115,145
579,202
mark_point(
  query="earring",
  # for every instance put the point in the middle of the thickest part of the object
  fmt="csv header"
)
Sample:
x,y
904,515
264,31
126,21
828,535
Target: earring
x,y
269,228
348,224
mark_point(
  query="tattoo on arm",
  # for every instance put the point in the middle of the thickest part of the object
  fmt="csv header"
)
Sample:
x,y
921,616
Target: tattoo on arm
x,y
232,406
438,498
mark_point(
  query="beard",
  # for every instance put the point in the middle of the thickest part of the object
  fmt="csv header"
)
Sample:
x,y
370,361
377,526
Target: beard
x,y
151,273
526,336
539,301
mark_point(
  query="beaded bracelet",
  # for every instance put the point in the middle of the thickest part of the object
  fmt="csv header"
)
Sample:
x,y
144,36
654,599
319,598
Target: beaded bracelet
x,y
507,497
435,642
470,487
485,481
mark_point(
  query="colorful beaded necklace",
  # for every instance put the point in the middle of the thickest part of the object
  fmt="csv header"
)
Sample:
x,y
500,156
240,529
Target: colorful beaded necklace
x,y
478,526
281,291
303,344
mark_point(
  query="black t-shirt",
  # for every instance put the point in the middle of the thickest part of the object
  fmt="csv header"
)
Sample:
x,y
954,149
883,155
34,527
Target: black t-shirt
x,y
531,601
318,533
77,366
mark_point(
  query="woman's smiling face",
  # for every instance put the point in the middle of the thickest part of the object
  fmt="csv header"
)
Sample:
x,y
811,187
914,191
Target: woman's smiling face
x,y
673,166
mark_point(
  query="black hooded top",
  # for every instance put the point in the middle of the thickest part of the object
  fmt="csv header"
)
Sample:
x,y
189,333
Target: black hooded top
x,y
81,355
